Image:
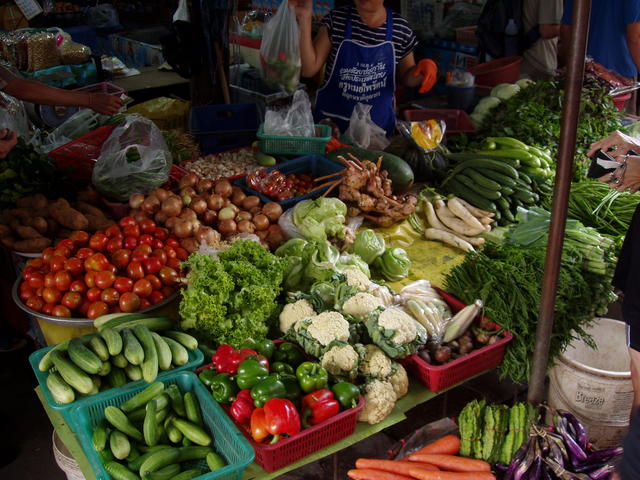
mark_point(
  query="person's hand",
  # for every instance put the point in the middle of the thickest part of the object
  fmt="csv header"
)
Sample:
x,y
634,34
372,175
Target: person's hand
x,y
622,143
631,179
104,103
429,71
303,8
8,140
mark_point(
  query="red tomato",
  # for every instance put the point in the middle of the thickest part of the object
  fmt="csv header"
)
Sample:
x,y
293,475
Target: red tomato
x,y
84,308
113,231
116,309
35,303
72,300
96,262
36,280
63,280
97,309
84,253
28,271
79,238
156,284
156,297
161,233
131,231
123,284
47,253
168,276
74,266
62,251
93,294
104,279
157,243
39,291
172,242
152,265
127,222
121,258
61,311
144,303
114,244
129,302
89,279
160,254
51,295
110,296
37,263
26,293
130,243
50,280
182,254
66,243
173,263
142,288
171,252
78,286
57,263
145,239
48,308
98,241
146,249
135,271
147,225
167,291
111,268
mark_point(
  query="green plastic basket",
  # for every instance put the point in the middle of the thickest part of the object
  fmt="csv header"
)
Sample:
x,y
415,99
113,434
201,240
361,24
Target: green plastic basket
x,y
272,145
227,440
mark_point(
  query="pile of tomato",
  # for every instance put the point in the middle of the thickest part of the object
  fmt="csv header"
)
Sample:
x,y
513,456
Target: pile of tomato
x,y
125,268
278,186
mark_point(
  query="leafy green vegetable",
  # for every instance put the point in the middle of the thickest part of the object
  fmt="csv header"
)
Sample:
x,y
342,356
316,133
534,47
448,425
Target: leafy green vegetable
x,y
353,261
369,245
233,298
320,219
393,264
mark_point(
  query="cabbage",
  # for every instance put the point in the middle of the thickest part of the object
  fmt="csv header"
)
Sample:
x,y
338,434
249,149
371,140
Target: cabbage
x,y
321,218
485,104
393,264
477,118
353,261
291,248
524,83
505,91
368,245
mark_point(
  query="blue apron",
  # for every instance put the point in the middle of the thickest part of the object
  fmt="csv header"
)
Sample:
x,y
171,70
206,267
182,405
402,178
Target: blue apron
x,y
361,74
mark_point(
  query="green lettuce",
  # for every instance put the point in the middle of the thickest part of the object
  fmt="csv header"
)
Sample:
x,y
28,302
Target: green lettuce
x,y
369,245
393,264
321,218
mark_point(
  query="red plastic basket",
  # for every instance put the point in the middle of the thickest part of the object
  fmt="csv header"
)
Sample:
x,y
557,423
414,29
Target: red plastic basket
x,y
457,121
77,157
440,377
495,72
621,100
102,87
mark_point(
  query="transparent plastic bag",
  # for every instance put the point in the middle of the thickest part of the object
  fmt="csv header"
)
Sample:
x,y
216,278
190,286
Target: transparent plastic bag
x,y
426,135
13,115
296,120
280,50
363,131
287,225
104,15
134,159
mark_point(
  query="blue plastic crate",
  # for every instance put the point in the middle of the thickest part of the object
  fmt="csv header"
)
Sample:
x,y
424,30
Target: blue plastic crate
x,y
196,358
227,439
312,165
223,127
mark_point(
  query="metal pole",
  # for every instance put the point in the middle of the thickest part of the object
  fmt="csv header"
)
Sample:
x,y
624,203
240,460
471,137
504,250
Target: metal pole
x,y
568,128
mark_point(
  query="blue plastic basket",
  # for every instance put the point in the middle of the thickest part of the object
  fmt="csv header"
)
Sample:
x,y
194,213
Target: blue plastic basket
x,y
227,440
223,127
312,165
196,358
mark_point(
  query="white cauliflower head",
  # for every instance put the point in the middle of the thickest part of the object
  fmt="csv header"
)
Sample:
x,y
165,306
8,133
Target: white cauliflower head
x,y
379,400
315,333
357,278
402,323
399,380
375,363
342,359
361,304
293,312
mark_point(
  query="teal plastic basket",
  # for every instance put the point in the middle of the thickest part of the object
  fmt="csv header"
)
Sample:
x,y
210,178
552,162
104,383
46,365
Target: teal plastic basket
x,y
196,358
227,440
272,145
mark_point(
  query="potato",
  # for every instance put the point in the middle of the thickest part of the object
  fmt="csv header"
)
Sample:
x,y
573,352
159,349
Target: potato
x,y
98,222
27,232
24,202
89,209
39,223
66,216
88,196
39,201
22,213
33,245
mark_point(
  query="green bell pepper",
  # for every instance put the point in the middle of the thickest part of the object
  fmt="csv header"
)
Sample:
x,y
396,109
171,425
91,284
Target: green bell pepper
x,y
288,353
269,388
206,376
283,368
251,372
312,377
263,347
224,388
347,394
294,392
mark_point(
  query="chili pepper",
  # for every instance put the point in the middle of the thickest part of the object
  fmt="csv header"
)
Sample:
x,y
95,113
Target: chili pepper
x,y
277,417
226,359
347,394
281,367
206,376
270,387
294,392
224,388
288,353
318,406
250,372
263,347
242,407
311,376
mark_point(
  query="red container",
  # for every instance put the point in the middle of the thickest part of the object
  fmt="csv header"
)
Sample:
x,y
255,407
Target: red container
x,y
495,72
102,87
621,100
440,377
77,157
457,121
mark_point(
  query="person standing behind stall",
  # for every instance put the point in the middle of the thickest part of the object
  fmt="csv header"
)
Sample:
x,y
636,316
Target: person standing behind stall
x,y
365,48
542,17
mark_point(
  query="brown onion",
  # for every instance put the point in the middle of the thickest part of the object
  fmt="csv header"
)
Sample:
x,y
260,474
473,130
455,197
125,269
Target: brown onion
x,y
235,189
262,234
234,207
161,193
183,228
227,227
275,236
272,210
215,202
255,210
261,222
189,180
172,206
209,218
186,200
207,235
198,205
238,197
223,188
265,244
190,191
171,222
245,226
204,186
160,218
243,216
190,244
150,205
136,200
188,214
139,215
250,202
226,213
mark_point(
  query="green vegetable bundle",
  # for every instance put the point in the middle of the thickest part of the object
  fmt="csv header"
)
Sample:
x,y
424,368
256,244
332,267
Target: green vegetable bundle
x,y
470,423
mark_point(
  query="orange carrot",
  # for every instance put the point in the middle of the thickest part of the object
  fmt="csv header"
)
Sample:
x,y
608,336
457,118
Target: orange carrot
x,y
392,466
451,463
422,474
370,474
449,445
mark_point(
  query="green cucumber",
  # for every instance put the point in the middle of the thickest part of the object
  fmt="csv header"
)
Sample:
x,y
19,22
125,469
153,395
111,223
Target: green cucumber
x,y
116,377
186,340
133,351
60,390
99,437
485,192
72,374
163,350
462,191
83,357
114,318
192,408
120,361
119,471
105,369
119,444
177,402
175,435
193,453
45,364
97,345
133,372
523,156
113,340
192,431
165,473
119,421
508,142
481,180
158,460
150,427
188,474
215,461
141,398
502,179
155,323
497,165
150,363
179,354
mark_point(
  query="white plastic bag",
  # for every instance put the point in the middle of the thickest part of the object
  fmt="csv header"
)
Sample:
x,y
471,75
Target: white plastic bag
x,y
296,120
134,159
280,50
363,131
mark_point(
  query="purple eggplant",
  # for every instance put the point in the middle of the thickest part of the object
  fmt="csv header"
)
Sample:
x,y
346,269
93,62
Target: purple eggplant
x,y
517,458
558,443
602,473
535,471
603,455
560,472
501,467
589,467
576,453
546,472
523,467
579,432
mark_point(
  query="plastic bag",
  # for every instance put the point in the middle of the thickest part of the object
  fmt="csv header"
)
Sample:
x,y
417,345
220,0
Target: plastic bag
x,y
363,131
296,120
460,78
287,225
103,16
13,115
280,50
167,113
134,159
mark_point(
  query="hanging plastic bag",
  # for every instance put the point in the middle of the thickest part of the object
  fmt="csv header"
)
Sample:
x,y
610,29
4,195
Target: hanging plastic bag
x,y
363,131
13,116
134,159
296,120
280,50
423,148
104,15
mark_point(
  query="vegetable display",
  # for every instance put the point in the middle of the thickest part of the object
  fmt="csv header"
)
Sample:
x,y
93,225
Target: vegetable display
x,y
279,186
320,219
223,165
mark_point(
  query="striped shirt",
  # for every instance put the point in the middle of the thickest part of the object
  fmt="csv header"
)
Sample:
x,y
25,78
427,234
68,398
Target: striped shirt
x,y
404,40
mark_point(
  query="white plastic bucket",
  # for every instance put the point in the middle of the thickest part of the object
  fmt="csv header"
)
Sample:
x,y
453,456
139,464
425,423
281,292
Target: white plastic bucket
x,y
64,460
595,385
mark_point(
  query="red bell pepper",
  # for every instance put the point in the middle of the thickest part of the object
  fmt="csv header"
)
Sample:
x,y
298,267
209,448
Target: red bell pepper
x,y
278,416
318,406
226,359
242,407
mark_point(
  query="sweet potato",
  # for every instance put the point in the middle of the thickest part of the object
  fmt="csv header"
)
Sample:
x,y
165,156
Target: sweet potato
x,y
89,209
21,213
39,201
33,245
88,196
39,223
68,217
24,202
98,222
8,241
52,227
27,232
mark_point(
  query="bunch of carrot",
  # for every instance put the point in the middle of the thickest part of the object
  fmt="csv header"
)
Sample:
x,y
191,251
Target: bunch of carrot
x,y
437,461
